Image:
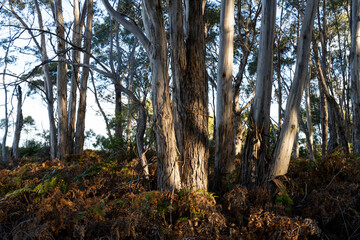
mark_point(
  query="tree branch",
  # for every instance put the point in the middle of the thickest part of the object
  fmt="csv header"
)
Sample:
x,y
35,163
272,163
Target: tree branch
x,y
129,25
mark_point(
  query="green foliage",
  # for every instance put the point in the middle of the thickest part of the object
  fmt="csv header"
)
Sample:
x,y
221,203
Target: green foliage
x,y
48,185
110,144
33,148
109,165
16,193
284,199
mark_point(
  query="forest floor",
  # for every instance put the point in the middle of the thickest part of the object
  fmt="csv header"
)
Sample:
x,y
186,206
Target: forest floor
x,y
98,195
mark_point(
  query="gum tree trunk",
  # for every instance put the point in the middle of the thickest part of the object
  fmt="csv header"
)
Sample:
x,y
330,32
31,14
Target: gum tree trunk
x,y
224,141
355,79
80,124
254,162
190,95
168,166
309,124
61,82
18,125
288,131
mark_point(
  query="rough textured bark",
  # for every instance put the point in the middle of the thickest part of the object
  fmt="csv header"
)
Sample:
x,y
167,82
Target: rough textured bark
x,y
355,78
191,100
178,64
61,83
224,143
254,163
80,123
154,42
287,134
168,166
141,127
18,125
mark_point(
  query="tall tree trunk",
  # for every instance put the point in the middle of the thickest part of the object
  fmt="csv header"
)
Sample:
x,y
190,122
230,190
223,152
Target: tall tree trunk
x,y
178,65
18,125
338,131
48,86
4,154
75,75
118,110
129,114
155,45
254,164
80,124
141,127
309,124
168,166
191,99
278,70
61,82
296,145
6,127
355,78
224,143
324,119
287,134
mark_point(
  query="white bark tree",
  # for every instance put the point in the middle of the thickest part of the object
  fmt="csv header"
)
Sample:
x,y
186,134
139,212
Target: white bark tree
x,y
48,86
224,141
61,82
80,123
78,24
287,134
154,42
18,125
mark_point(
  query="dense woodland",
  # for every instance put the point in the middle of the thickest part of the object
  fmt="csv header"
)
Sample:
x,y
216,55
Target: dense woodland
x,y
232,119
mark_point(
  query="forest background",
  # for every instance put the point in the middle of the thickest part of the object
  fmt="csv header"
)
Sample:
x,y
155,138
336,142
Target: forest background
x,y
222,92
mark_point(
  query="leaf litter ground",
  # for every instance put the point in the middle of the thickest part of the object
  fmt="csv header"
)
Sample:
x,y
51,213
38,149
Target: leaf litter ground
x,y
97,195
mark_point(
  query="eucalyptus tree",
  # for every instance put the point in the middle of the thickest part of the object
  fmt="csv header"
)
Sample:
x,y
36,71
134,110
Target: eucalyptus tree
x,y
254,161
61,82
355,78
78,24
187,40
18,124
285,142
42,49
80,124
224,145
154,42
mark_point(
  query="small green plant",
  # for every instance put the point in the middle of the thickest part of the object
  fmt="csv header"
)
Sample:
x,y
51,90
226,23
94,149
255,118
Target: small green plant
x,y
284,199
45,187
